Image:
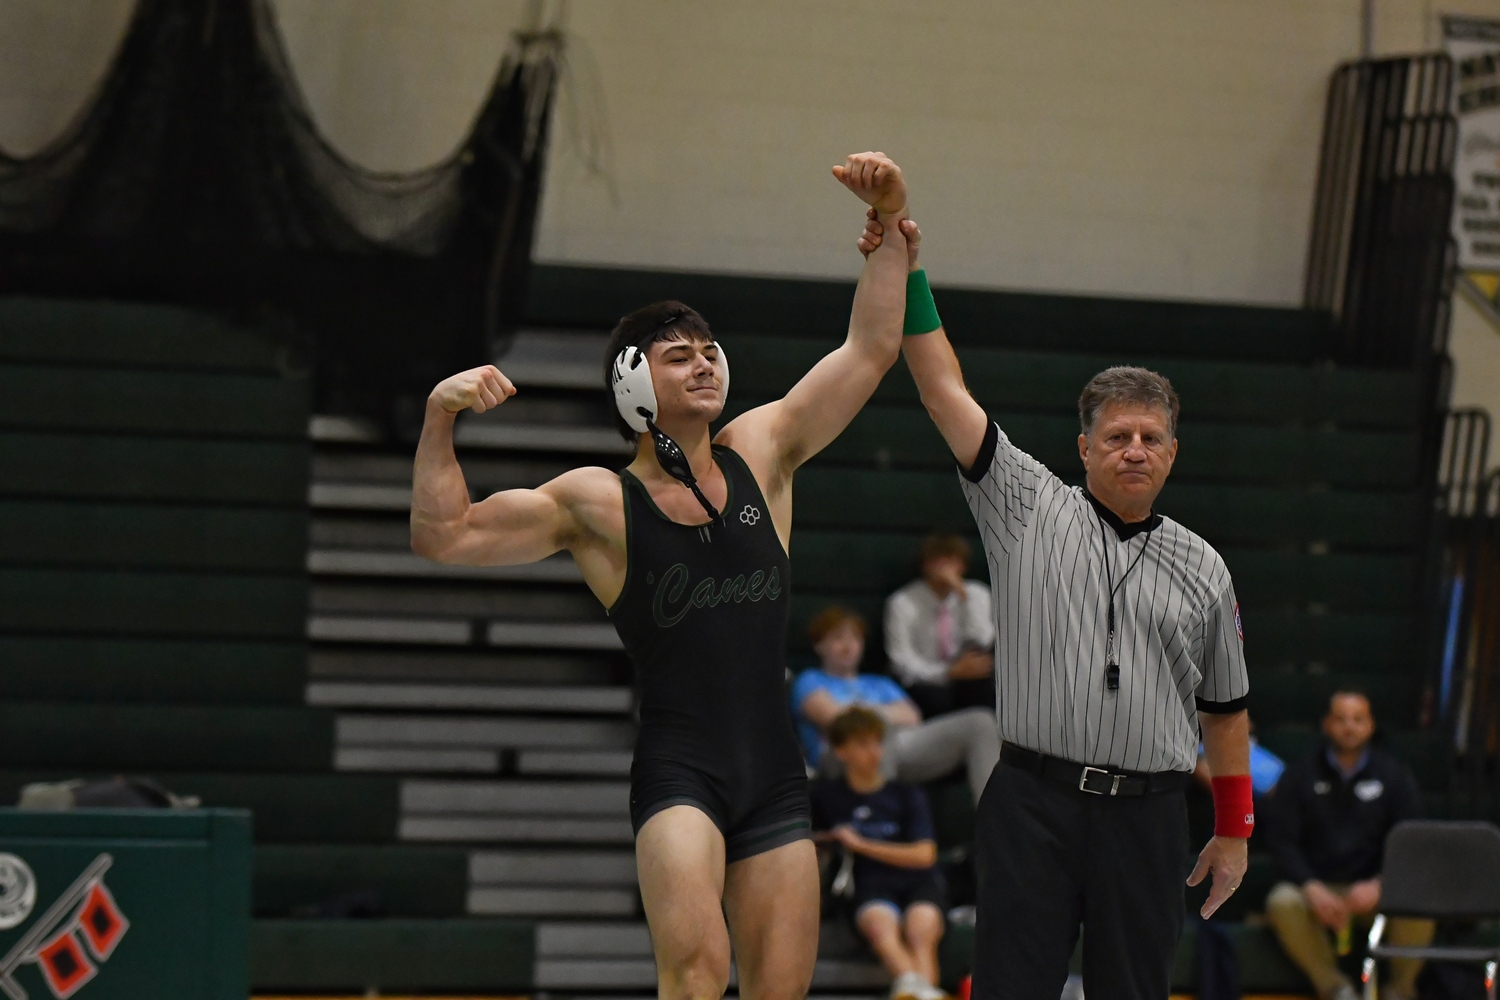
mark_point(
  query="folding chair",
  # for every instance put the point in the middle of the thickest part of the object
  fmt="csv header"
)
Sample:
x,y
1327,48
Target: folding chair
x,y
1436,870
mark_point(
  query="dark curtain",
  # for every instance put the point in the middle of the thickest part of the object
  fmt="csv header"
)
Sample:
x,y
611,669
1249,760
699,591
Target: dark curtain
x,y
197,176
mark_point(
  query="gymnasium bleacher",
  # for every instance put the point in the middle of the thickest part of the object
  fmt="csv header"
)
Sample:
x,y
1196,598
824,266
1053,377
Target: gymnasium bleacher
x,y
203,583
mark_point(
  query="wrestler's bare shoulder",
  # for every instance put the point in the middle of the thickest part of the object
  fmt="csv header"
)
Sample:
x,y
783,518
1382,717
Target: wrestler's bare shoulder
x,y
595,497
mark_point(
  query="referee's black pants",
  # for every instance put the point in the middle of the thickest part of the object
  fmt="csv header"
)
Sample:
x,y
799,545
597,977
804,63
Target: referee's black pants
x,y
1052,858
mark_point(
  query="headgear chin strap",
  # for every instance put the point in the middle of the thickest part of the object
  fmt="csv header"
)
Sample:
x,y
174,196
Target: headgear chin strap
x,y
635,398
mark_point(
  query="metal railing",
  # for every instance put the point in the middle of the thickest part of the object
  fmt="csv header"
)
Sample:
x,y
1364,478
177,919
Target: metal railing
x,y
1463,689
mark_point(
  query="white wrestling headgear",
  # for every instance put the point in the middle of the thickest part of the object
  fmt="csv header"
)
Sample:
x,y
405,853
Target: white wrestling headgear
x,y
635,396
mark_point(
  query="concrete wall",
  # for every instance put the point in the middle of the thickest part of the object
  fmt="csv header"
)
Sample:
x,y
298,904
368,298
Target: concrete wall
x,y
1160,148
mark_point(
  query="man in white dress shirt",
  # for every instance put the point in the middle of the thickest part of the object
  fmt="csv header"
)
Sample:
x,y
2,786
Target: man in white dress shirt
x,y
940,632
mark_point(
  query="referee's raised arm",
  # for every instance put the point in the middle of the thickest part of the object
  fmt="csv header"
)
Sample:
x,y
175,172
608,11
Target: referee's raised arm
x,y
930,357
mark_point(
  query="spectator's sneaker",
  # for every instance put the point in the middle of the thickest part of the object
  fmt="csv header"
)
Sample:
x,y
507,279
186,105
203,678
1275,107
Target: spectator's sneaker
x,y
1345,992
910,986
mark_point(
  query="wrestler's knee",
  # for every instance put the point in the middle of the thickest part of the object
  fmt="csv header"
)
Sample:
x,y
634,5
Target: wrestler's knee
x,y
697,973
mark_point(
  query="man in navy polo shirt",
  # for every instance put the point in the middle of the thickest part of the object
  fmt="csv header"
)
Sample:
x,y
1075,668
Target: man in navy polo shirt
x,y
1326,823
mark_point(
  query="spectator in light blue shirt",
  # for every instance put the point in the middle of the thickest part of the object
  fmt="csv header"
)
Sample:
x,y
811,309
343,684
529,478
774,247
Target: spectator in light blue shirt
x,y
915,751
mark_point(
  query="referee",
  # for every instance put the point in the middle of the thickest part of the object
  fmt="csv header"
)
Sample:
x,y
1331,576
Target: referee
x,y
1117,641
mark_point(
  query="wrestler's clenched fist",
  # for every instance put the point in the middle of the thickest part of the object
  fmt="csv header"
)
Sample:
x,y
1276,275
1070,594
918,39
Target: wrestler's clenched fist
x,y
479,389
876,179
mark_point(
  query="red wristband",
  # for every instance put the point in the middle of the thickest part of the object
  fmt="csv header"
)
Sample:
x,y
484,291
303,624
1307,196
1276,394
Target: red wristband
x,y
1234,806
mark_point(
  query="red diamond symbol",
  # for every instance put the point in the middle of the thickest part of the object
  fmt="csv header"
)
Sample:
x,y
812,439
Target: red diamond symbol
x,y
64,965
101,921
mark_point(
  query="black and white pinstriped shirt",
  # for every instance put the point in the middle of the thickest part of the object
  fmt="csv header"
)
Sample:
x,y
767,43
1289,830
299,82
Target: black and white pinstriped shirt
x,y
1178,640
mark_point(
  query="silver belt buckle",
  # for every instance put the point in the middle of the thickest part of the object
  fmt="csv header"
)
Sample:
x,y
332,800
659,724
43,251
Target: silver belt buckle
x,y
1114,784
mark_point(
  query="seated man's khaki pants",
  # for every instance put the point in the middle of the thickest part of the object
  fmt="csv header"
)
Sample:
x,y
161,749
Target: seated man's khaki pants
x,y
1307,943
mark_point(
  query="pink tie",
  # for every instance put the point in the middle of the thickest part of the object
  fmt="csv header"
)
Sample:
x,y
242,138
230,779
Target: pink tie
x,y
947,646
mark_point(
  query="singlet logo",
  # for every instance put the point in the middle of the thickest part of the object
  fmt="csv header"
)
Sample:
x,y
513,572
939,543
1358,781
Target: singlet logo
x,y
670,606
750,515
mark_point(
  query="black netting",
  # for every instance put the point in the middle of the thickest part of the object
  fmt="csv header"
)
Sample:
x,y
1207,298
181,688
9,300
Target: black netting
x,y
196,175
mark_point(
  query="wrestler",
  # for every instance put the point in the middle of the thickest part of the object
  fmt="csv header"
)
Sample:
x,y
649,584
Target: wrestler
x,y
687,549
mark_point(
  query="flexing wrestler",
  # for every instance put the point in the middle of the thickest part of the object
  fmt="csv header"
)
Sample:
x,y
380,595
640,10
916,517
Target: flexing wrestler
x,y
687,549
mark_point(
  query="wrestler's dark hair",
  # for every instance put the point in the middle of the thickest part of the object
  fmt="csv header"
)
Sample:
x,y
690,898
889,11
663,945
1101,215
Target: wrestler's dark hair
x,y
853,723
669,320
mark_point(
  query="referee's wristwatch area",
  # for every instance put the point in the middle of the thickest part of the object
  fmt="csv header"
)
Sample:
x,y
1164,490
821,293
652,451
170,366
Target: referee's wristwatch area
x,y
193,589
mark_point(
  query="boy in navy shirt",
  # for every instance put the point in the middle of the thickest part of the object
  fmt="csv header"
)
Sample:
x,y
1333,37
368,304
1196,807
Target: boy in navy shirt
x,y
899,895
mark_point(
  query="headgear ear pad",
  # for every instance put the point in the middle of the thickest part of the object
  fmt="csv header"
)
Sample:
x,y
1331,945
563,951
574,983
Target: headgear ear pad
x,y
634,393
631,379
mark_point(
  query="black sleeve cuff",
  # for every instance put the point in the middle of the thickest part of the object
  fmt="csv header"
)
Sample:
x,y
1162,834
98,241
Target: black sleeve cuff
x,y
1224,707
986,455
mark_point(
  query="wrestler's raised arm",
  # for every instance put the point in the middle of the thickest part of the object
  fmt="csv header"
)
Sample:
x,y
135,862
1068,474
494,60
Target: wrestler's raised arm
x,y
934,366
780,436
512,526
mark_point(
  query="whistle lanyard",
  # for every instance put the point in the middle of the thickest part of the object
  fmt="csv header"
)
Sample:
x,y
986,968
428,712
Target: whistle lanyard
x,y
1111,659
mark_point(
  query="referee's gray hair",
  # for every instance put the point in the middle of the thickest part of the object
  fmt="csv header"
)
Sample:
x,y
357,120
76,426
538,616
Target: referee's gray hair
x,y
1124,384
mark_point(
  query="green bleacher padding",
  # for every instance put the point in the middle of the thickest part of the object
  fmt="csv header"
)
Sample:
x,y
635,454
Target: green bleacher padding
x,y
379,956
1290,741
1279,697
1211,391
1425,752
872,562
121,333
183,671
563,295
141,603
924,501
191,404
1351,642
904,436
288,808
145,536
138,468
302,808
1340,580
1226,515
409,880
144,737
860,561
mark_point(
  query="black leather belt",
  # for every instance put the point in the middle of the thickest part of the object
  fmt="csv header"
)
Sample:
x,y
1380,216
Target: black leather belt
x,y
1092,780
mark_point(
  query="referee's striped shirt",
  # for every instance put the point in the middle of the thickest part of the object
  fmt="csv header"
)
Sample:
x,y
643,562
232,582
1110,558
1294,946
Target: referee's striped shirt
x,y
1177,634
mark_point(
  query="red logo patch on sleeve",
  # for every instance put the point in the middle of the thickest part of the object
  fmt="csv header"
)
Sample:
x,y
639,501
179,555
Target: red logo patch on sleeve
x,y
1238,628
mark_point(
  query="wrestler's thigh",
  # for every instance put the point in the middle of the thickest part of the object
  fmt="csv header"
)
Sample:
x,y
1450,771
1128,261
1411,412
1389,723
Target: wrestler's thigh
x,y
772,900
679,856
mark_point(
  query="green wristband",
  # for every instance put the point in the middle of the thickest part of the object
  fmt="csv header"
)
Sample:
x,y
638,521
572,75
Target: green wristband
x,y
921,311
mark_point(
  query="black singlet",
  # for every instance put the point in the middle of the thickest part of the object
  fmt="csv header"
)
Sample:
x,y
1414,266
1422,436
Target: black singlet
x,y
703,616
